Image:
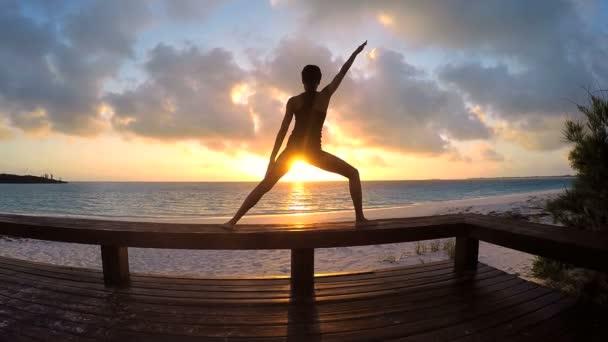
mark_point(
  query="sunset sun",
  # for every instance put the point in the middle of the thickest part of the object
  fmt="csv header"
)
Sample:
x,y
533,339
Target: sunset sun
x,y
303,172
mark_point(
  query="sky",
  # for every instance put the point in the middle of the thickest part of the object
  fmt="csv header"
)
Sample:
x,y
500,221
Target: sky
x,y
189,90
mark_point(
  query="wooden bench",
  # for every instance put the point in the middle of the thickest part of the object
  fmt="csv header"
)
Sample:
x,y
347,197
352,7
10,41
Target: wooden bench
x,y
426,302
582,248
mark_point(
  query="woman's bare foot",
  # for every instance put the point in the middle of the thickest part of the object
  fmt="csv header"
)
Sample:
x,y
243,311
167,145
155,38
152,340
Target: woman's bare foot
x,y
228,225
362,222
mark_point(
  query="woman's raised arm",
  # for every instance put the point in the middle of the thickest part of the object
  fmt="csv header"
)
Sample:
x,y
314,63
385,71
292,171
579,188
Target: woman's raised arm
x,y
333,86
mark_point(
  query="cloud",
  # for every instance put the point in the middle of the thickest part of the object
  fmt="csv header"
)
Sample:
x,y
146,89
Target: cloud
x,y
397,106
186,95
52,69
191,9
454,155
5,132
521,60
107,27
490,154
499,27
541,134
394,106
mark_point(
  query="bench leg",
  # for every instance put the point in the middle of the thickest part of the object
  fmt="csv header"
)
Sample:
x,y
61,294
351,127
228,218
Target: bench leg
x,y
302,272
467,251
115,262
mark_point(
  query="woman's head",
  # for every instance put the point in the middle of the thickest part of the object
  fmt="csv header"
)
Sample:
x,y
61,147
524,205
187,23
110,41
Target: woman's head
x,y
311,77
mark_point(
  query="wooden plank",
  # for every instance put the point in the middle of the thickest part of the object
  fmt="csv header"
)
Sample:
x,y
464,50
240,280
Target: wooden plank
x,y
372,308
349,329
115,263
545,327
68,321
559,311
60,302
426,325
210,284
500,328
71,286
31,325
447,288
394,303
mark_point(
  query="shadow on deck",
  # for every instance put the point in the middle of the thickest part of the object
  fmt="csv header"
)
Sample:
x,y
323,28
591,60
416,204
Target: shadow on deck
x,y
428,302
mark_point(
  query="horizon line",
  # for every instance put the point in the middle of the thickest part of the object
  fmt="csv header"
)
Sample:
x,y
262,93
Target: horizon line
x,y
318,181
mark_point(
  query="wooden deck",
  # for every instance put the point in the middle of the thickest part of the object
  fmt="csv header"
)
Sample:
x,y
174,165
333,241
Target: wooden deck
x,y
429,302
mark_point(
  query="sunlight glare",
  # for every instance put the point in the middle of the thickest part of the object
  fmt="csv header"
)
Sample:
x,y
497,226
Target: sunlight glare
x,y
303,172
385,19
373,54
240,93
299,197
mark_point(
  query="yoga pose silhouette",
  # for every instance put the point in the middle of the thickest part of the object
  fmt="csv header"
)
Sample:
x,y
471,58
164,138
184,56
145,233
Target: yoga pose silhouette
x,y
310,109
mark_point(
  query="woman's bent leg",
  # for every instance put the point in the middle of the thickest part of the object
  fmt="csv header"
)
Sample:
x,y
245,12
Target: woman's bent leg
x,y
331,163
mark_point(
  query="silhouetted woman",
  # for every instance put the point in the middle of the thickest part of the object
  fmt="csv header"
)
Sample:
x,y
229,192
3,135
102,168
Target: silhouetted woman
x,y
310,109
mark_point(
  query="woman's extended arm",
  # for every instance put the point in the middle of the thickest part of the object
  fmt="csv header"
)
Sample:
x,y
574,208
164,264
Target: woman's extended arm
x,y
281,134
338,79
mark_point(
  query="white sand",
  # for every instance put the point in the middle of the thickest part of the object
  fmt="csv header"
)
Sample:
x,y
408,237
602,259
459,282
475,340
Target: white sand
x,y
277,262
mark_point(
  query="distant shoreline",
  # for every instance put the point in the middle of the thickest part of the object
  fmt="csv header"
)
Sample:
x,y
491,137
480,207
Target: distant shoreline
x,y
329,181
6,178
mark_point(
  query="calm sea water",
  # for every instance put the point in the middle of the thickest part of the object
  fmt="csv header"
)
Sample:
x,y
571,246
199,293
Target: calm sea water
x,y
188,200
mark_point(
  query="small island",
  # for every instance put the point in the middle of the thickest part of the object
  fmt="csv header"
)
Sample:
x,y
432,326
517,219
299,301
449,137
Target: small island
x,y
16,179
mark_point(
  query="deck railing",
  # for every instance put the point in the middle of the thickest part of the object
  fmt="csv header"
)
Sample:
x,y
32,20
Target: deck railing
x,y
585,249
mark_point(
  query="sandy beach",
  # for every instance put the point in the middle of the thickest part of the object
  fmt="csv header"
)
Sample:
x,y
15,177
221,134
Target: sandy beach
x,y
528,206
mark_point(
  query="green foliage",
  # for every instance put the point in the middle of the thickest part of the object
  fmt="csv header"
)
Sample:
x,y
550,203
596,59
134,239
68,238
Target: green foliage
x,y
420,247
435,245
449,246
592,286
585,205
390,259
548,269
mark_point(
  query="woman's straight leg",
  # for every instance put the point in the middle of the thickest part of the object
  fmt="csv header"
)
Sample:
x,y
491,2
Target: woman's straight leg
x,y
280,168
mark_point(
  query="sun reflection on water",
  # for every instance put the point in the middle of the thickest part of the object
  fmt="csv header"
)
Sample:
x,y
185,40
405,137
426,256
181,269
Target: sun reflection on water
x,y
299,198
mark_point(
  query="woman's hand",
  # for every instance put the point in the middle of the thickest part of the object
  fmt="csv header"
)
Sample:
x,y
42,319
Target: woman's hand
x,y
361,47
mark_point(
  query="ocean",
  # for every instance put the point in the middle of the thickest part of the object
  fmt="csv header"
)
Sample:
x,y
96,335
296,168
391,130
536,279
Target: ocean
x,y
187,200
